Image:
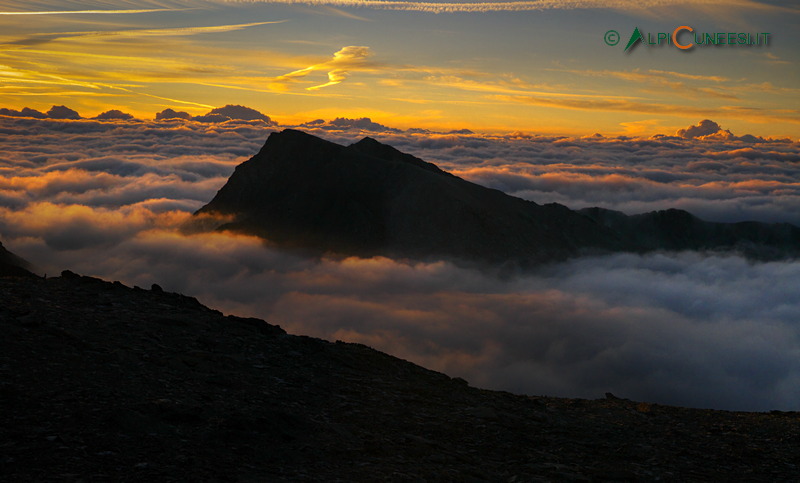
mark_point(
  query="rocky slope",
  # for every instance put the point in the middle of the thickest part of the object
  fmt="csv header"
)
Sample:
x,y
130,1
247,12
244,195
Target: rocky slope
x,y
101,382
302,192
11,264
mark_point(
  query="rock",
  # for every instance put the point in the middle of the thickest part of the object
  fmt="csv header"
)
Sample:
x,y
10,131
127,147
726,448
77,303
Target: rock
x,y
156,387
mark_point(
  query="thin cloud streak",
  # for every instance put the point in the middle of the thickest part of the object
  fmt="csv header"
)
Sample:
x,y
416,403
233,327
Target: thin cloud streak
x,y
97,12
165,32
535,5
603,104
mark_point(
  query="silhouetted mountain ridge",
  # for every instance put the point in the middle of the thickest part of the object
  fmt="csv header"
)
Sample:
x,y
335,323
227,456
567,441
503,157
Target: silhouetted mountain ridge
x,y
371,199
368,198
678,230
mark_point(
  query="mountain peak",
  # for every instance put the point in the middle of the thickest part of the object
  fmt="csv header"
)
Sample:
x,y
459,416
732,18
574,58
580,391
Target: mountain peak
x,y
368,141
370,199
372,147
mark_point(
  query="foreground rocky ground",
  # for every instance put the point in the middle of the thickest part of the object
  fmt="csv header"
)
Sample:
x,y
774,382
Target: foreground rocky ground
x,y
101,382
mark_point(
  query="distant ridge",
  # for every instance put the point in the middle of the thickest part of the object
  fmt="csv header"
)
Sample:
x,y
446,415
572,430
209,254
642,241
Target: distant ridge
x,y
366,199
678,230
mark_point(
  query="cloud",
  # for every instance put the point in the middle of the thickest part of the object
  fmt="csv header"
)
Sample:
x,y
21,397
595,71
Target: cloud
x,y
25,112
140,33
685,329
347,58
62,112
114,114
172,114
363,124
231,112
516,6
710,130
71,227
107,198
656,81
92,12
600,103
704,128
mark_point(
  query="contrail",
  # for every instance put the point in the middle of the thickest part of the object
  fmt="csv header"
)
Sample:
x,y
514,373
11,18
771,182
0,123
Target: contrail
x,y
68,12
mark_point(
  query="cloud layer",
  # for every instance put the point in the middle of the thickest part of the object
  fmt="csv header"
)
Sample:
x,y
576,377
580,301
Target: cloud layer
x,y
104,197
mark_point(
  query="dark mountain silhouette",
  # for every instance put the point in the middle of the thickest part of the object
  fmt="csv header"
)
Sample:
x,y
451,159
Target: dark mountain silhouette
x,y
11,264
677,230
102,382
369,199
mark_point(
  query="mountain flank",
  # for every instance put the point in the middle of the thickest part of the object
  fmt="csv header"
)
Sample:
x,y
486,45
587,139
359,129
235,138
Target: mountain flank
x,y
11,264
369,199
102,382
366,199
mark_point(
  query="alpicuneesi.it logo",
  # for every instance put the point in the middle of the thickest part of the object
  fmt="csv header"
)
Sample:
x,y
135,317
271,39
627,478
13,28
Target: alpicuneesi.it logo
x,y
685,38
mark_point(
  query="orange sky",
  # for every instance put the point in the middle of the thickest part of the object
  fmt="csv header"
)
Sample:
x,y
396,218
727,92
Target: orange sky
x,y
531,66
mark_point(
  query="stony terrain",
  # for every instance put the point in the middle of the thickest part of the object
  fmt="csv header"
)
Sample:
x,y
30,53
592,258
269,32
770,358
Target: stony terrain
x,y
11,264
102,382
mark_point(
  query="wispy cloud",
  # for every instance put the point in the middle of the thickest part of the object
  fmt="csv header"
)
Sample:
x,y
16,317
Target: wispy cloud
x,y
530,5
604,104
163,32
676,82
37,39
94,12
346,58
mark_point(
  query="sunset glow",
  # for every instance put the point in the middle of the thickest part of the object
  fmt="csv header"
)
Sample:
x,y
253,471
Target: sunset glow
x,y
537,66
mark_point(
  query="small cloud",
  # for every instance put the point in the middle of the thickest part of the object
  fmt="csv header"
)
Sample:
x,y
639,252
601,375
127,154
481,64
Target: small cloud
x,y
25,112
345,124
62,112
640,127
774,59
709,130
114,114
234,112
172,114
706,127
210,118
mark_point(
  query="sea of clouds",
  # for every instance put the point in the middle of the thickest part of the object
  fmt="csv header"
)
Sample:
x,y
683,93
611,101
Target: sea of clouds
x,y
105,197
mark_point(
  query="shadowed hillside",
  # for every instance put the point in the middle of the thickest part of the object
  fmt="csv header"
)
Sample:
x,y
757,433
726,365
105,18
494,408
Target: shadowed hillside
x,y
99,381
11,264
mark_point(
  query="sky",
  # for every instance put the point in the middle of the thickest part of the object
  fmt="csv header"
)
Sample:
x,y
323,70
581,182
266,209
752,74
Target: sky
x,y
525,97
538,66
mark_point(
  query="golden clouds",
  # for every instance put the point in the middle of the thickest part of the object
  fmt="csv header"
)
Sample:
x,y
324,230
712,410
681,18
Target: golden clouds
x,y
161,32
344,60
